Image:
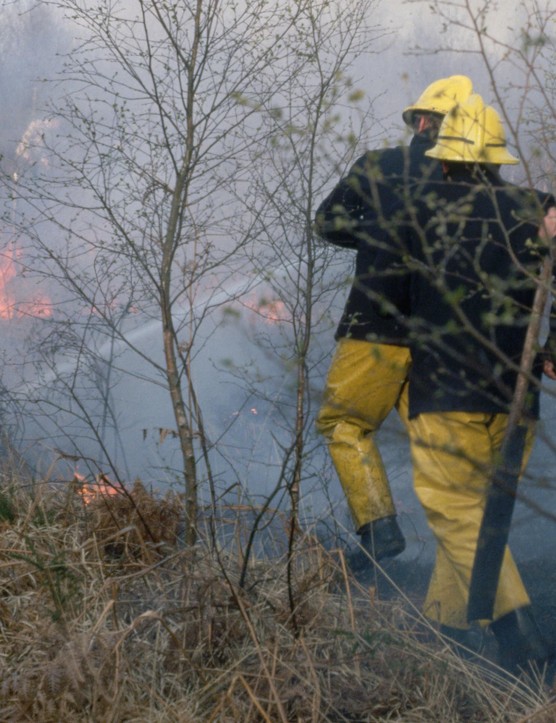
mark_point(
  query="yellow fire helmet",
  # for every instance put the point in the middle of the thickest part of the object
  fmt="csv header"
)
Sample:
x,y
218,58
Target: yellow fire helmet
x,y
472,133
440,97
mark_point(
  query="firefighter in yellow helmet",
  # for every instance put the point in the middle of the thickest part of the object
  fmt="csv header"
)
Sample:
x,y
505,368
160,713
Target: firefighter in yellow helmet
x,y
367,377
472,255
438,98
472,133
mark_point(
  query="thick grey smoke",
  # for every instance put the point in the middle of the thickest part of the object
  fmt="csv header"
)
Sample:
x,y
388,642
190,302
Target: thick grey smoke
x,y
245,424
32,41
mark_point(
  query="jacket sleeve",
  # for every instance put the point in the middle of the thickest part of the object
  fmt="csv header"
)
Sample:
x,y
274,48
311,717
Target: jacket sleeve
x,y
363,203
339,216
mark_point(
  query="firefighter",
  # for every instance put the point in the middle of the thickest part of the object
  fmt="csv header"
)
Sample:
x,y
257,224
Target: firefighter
x,y
367,377
473,251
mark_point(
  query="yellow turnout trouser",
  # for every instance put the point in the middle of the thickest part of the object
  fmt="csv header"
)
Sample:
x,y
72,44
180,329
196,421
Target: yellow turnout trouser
x,y
453,455
365,381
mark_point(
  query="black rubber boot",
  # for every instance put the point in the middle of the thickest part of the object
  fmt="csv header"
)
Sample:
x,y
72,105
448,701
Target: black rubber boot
x,y
520,643
379,539
466,643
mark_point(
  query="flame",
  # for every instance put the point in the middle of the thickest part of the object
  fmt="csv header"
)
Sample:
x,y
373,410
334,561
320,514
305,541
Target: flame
x,y
10,307
39,306
7,273
273,311
91,491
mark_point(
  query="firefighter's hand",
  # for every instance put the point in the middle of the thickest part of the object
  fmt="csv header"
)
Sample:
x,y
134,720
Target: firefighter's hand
x,y
549,369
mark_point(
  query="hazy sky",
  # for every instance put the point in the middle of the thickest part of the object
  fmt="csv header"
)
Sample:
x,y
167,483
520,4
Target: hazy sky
x,y
409,56
424,46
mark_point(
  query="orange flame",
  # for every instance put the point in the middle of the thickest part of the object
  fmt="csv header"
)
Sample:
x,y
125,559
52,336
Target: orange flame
x,y
91,491
39,306
273,311
10,307
7,273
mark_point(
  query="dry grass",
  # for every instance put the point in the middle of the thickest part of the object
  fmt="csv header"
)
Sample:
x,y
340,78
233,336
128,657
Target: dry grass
x,y
105,617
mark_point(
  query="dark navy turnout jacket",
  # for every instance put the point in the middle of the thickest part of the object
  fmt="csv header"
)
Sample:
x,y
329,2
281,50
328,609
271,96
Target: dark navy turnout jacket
x,y
363,212
471,257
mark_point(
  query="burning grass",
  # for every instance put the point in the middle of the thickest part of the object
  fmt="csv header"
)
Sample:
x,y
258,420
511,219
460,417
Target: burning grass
x,y
105,616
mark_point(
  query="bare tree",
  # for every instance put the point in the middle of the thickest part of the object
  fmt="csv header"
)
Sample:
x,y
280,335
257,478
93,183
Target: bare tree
x,y
144,194
140,180
309,139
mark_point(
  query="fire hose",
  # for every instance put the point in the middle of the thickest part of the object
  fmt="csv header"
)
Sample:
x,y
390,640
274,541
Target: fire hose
x,y
502,489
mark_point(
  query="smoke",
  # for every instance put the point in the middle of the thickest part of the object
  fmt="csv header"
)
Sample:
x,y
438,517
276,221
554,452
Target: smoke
x,y
32,41
419,45
507,50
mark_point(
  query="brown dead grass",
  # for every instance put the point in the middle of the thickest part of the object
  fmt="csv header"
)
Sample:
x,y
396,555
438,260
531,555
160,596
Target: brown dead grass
x,y
104,616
